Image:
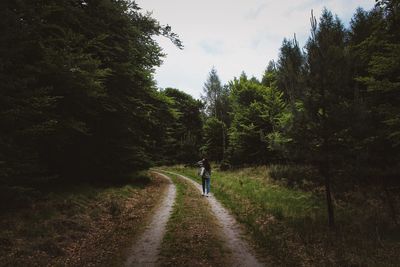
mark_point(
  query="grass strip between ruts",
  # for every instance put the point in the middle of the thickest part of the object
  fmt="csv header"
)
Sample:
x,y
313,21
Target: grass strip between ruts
x,y
192,237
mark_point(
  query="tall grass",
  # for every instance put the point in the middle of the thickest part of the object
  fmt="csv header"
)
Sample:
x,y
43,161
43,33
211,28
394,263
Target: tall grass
x,y
288,223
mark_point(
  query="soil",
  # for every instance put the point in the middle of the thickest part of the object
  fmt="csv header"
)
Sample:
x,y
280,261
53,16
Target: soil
x,y
193,237
242,254
146,249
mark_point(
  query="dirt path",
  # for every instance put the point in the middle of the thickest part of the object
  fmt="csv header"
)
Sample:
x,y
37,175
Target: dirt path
x,y
145,251
193,236
242,255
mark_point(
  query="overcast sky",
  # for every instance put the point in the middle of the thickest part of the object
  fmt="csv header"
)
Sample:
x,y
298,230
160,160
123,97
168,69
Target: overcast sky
x,y
232,35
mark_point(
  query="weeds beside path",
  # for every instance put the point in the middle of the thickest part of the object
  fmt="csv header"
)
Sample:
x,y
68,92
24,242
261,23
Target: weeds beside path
x,y
289,224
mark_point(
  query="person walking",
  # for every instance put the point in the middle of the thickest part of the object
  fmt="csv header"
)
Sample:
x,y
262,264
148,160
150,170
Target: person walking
x,y
205,174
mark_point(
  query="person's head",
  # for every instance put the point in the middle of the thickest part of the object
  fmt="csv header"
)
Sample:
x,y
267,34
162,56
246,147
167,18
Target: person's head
x,y
206,164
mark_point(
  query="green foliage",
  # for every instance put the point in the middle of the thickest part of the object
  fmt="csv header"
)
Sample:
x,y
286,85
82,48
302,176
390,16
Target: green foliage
x,y
217,114
287,223
77,95
375,43
270,75
290,70
212,94
259,114
213,138
321,110
382,80
185,131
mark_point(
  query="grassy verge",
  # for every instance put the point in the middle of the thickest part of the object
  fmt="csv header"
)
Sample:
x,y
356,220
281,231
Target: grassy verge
x,y
192,233
289,225
83,225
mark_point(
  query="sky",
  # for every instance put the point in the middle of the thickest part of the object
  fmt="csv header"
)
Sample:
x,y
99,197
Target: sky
x,y
232,35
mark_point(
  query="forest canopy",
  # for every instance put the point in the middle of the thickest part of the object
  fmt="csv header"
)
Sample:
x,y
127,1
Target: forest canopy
x,y
78,98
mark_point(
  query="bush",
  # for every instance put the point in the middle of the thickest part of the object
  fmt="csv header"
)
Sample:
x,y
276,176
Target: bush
x,y
224,166
294,174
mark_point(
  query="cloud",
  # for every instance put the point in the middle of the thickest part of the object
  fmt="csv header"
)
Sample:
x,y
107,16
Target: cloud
x,y
254,13
212,47
233,36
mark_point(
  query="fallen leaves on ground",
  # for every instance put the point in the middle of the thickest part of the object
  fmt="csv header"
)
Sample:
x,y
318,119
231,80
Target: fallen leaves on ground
x,y
77,231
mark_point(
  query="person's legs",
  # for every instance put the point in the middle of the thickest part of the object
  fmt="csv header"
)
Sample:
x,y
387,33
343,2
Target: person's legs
x,y
208,185
203,183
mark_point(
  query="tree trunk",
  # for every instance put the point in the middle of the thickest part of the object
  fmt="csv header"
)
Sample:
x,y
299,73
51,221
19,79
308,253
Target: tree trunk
x,y
327,179
331,218
392,208
223,141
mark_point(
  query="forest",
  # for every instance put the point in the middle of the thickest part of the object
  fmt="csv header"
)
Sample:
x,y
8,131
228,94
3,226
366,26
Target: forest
x,y
331,107
79,103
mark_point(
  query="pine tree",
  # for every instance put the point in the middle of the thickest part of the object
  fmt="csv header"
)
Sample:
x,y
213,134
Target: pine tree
x,y
327,98
216,99
290,68
270,75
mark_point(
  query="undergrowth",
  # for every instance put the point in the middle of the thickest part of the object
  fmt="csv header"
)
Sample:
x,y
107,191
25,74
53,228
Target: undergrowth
x,y
289,223
62,225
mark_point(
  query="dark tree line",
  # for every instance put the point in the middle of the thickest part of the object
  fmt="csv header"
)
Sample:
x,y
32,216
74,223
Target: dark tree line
x,y
77,96
184,133
333,105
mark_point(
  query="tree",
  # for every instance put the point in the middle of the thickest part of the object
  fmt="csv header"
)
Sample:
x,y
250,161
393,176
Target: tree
x,y
327,98
185,133
216,99
212,91
375,39
290,68
257,118
362,26
77,99
382,79
213,134
374,47
270,75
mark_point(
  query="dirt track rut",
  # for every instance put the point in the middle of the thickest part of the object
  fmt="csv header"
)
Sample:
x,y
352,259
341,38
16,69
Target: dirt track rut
x,y
146,249
242,254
